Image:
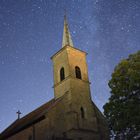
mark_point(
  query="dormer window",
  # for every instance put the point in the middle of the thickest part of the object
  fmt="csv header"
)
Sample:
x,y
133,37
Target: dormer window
x,y
78,72
62,74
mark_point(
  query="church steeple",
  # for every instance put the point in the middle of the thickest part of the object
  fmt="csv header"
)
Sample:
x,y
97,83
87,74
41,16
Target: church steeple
x,y
66,35
70,69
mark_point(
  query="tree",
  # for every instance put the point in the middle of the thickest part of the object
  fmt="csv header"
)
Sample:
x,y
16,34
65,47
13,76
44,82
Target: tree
x,y
123,109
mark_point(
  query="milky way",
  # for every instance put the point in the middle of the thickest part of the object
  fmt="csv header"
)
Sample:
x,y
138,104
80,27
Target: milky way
x,y
31,32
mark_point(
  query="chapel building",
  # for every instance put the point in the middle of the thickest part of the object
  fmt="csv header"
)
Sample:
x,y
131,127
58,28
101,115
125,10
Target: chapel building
x,y
71,114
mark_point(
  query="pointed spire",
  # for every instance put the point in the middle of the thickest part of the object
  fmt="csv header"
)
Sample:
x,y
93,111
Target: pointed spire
x,y
66,34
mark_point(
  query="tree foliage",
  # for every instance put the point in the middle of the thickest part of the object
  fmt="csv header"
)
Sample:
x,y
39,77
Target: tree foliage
x,y
123,109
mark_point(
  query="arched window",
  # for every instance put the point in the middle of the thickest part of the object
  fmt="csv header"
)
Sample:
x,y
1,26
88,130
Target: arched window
x,y
82,113
78,72
62,74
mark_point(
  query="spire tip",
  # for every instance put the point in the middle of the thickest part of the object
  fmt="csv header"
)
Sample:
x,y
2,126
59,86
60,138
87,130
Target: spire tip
x,y
66,34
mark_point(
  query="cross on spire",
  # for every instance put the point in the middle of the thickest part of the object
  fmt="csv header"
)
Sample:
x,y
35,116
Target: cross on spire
x,y
66,34
19,113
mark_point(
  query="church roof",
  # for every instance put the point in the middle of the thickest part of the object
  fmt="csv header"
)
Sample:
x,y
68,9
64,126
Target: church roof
x,y
28,120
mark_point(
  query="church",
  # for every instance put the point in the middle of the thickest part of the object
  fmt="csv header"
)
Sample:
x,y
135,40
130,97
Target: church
x,y
71,114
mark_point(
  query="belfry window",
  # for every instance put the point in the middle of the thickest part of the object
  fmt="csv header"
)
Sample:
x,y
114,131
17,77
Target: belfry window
x,y
78,72
62,74
82,113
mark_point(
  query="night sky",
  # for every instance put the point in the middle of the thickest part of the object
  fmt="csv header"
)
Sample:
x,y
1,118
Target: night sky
x,y
31,32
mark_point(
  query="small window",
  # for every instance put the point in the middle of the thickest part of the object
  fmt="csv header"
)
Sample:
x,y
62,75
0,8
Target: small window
x,y
62,74
78,72
82,113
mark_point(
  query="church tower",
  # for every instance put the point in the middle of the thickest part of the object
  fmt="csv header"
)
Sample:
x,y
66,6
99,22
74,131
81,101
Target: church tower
x,y
71,80
71,75
70,69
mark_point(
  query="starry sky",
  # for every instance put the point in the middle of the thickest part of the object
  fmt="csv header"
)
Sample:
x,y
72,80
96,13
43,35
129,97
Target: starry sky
x,y
31,32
